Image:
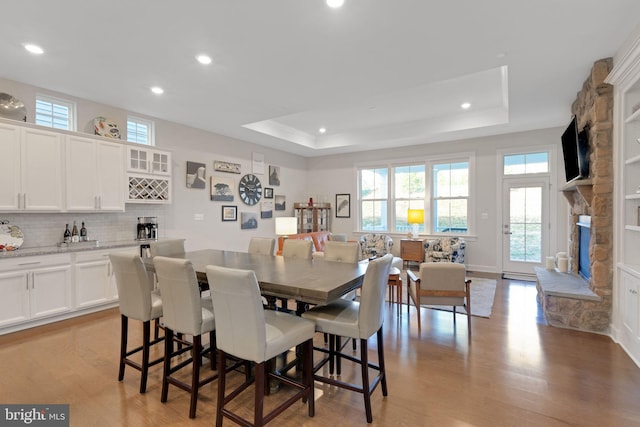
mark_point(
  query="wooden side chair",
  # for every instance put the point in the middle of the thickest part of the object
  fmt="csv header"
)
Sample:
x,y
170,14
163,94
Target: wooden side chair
x,y
440,283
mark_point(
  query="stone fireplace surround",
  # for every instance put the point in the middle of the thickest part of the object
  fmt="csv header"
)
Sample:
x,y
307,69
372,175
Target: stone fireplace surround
x,y
589,308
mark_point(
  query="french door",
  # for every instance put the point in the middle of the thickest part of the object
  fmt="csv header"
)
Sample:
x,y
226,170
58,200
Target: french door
x,y
525,225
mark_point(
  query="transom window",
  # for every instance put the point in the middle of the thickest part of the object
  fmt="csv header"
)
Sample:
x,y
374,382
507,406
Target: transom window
x,y
140,131
55,113
526,163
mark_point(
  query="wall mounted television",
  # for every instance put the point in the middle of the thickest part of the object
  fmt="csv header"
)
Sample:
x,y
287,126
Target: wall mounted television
x,y
575,149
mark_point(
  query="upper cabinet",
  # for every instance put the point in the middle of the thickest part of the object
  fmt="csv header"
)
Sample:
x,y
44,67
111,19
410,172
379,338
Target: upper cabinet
x,y
31,164
95,175
149,175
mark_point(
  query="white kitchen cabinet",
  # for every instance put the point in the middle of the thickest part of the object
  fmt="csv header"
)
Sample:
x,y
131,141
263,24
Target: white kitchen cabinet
x,y
32,165
95,281
95,175
149,175
629,308
34,287
148,161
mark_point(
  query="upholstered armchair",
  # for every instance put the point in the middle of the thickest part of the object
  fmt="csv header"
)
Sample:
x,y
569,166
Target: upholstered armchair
x,y
378,245
444,249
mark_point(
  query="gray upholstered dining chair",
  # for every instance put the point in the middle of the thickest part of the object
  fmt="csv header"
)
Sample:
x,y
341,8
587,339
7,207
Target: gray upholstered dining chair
x,y
185,313
440,283
173,248
138,301
246,331
357,320
341,251
262,245
338,237
297,248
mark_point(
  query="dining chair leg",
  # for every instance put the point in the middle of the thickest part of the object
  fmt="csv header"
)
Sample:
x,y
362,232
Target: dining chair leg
x,y
168,350
146,338
195,375
124,330
338,358
332,352
383,372
259,394
213,348
156,328
307,373
222,377
366,391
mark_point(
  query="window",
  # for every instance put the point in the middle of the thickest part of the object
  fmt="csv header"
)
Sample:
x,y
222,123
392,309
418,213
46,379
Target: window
x,y
527,163
450,197
55,113
409,192
374,194
140,131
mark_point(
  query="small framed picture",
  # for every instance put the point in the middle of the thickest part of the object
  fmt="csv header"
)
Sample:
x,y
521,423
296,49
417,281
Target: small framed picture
x,y
248,220
274,175
343,205
229,213
268,193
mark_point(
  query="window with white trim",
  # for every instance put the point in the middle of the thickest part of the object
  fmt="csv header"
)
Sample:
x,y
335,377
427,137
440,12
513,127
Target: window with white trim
x,y
450,197
55,113
374,194
140,131
409,193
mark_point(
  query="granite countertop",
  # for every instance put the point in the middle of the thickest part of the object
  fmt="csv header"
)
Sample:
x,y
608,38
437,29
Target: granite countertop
x,y
70,247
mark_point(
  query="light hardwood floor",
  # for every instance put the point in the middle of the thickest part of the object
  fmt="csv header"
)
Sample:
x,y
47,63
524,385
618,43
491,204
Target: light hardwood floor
x,y
516,371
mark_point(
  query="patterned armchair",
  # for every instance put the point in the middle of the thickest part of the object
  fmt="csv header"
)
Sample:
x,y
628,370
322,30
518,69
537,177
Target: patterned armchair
x,y
378,244
445,249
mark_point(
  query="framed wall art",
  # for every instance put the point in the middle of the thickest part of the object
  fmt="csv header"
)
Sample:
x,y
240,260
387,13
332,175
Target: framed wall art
x,y
281,203
196,175
226,167
343,205
229,213
266,209
274,175
268,193
222,189
248,220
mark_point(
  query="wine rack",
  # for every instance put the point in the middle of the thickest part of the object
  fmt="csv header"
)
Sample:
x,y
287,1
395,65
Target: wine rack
x,y
147,189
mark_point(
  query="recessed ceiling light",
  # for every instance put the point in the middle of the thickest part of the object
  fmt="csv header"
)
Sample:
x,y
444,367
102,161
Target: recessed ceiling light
x,y
157,90
465,105
204,59
322,130
34,49
335,3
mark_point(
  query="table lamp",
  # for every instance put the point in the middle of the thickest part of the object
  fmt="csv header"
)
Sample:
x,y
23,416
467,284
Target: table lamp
x,y
415,217
286,225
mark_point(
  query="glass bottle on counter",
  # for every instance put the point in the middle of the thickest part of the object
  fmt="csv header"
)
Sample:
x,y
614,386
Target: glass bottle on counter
x,y
67,235
75,238
83,233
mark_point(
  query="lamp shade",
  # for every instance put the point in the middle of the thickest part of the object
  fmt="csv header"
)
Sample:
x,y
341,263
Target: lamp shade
x,y
415,216
286,225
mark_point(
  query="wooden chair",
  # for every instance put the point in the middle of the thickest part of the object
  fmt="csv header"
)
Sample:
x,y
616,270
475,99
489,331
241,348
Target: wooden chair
x,y
246,331
138,301
440,283
356,320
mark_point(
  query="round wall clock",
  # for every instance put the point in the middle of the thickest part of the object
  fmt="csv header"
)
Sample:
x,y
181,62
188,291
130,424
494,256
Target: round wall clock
x,y
250,189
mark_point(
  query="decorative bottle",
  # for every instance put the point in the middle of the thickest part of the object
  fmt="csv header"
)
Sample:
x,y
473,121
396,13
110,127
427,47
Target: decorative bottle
x,y
75,238
83,233
67,234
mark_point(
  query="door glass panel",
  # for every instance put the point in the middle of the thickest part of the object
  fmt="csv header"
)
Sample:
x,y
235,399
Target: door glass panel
x,y
525,224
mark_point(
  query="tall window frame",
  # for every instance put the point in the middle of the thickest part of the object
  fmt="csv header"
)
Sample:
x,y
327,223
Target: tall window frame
x,y
450,196
55,112
396,205
140,131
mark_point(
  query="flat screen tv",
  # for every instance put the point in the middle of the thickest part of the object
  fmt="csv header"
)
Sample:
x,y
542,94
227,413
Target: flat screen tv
x,y
575,149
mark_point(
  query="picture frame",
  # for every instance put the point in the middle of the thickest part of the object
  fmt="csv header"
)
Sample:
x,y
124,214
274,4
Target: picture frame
x,y
229,213
343,205
266,210
222,189
248,220
227,167
196,175
281,203
268,193
274,175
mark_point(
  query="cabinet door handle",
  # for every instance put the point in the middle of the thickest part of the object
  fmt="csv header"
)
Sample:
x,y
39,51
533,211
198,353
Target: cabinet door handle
x,y
24,200
30,263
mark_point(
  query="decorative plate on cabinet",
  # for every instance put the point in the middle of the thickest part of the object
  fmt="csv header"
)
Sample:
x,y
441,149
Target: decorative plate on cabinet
x,y
12,108
11,237
106,127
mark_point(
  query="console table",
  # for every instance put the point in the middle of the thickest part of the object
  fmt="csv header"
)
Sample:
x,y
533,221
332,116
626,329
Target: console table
x,y
411,250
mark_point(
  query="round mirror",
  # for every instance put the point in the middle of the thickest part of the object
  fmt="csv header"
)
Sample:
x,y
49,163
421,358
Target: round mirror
x,y
12,108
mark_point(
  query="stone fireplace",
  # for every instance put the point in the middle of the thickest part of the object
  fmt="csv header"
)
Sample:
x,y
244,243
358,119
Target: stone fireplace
x,y
589,308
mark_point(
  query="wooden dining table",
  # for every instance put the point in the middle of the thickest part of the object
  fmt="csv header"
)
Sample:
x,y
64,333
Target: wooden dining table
x,y
306,281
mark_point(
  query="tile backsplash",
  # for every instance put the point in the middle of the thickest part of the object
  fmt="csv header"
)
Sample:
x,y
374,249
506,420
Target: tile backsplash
x,y
46,229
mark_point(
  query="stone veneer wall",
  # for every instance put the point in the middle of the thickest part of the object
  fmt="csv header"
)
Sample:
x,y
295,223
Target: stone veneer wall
x,y
594,109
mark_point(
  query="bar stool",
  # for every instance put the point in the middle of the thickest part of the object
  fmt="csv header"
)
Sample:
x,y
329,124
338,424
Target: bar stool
x,y
184,313
138,301
357,320
247,331
262,245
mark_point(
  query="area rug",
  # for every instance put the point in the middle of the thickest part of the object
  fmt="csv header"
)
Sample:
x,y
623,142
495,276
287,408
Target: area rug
x,y
483,292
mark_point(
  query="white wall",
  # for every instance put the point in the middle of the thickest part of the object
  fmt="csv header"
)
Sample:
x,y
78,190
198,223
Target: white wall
x,y
337,174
